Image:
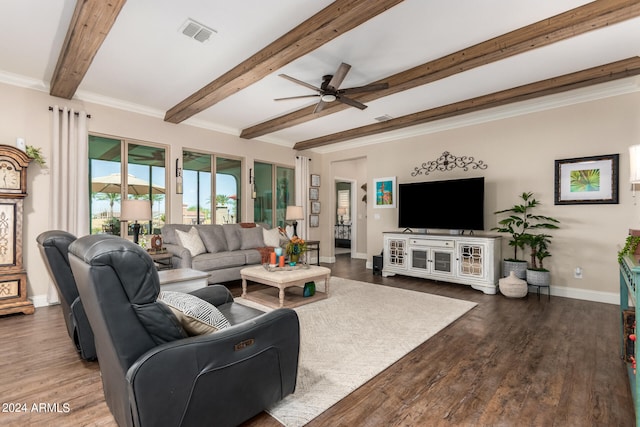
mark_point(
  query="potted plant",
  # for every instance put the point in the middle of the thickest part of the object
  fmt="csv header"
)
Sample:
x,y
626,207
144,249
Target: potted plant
x,y
295,248
537,275
518,224
630,246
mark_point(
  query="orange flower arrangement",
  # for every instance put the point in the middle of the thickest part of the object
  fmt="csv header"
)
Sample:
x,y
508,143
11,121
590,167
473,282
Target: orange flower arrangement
x,y
296,246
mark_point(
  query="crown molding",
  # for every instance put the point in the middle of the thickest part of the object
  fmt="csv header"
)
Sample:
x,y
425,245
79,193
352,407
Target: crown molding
x,y
577,96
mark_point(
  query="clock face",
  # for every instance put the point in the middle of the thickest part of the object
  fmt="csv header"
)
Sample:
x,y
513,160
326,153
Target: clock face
x,y
156,242
9,176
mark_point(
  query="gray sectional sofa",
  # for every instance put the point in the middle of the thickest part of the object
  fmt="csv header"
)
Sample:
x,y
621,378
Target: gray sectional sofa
x,y
227,248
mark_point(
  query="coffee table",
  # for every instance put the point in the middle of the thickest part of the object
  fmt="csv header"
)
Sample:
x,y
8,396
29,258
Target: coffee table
x,y
280,280
182,279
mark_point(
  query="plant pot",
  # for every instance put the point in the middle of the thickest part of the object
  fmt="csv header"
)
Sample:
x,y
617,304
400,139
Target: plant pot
x,y
519,267
538,277
512,286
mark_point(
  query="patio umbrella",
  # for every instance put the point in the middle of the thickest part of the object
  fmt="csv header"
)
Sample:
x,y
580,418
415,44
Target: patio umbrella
x,y
112,184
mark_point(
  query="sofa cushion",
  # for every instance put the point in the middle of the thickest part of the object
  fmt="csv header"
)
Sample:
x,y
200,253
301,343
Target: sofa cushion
x,y
219,260
253,256
251,238
169,232
232,234
191,241
271,237
213,237
196,316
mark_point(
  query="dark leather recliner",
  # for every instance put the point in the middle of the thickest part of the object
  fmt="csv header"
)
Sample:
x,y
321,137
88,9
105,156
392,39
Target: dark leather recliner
x,y
152,373
54,247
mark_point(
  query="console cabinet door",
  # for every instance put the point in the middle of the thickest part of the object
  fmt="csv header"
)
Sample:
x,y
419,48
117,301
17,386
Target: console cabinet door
x,y
472,260
395,257
432,261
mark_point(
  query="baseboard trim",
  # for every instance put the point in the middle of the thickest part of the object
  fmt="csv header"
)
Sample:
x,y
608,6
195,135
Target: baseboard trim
x,y
41,301
556,291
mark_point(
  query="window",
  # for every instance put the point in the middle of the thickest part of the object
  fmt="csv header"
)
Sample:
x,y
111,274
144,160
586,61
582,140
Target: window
x,y
272,180
198,183
142,176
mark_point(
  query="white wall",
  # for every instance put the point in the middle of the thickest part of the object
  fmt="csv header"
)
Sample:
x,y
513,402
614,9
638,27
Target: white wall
x,y
520,153
24,113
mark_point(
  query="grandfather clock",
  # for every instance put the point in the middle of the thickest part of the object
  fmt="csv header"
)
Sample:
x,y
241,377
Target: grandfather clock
x,y
13,190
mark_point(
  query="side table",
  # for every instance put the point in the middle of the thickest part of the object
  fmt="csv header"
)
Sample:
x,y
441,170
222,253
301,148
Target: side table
x,y
162,260
314,245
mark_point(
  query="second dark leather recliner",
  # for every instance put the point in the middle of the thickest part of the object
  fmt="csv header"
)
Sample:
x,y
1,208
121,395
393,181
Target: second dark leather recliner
x,y
54,247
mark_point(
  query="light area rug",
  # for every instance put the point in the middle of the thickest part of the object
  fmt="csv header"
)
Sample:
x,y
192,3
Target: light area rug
x,y
347,339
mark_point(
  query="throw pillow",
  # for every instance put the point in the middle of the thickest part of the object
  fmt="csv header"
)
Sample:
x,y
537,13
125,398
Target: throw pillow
x,y
271,237
196,316
251,238
191,241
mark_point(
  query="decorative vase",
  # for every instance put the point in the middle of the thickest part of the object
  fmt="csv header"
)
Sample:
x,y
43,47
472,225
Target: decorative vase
x,y
519,267
512,286
294,258
538,278
309,289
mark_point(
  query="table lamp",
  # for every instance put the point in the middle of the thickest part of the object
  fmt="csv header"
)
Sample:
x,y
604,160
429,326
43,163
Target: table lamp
x,y
341,213
294,213
135,210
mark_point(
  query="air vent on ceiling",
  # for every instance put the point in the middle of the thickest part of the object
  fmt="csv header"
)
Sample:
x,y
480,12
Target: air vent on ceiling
x,y
383,118
196,31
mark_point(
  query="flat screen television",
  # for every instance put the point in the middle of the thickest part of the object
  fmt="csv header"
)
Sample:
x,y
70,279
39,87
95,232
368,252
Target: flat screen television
x,y
456,204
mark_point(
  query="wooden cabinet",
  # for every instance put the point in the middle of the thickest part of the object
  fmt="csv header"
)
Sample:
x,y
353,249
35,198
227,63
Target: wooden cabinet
x,y
469,260
629,282
13,190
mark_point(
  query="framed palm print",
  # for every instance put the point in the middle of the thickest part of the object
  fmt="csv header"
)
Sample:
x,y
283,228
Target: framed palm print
x,y
587,180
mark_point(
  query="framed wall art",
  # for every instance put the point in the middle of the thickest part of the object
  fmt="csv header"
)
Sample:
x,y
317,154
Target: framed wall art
x,y
587,180
315,207
314,220
314,194
315,180
385,192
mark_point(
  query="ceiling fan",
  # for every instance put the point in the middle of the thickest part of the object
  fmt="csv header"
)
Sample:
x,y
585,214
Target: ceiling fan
x,y
329,89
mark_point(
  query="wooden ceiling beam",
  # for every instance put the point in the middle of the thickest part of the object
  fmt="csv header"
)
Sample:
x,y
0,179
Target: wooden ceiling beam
x,y
91,22
331,22
613,71
591,16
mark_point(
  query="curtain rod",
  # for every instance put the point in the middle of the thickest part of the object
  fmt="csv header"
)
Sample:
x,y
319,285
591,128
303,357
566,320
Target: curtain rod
x,y
76,113
297,157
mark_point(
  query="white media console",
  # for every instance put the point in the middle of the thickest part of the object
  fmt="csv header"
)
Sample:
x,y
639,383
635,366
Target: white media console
x,y
467,259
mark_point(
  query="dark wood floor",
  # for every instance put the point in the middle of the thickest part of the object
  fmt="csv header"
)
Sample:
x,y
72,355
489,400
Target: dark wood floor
x,y
505,363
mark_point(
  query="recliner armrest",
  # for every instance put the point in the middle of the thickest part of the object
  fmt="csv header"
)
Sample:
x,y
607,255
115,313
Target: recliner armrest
x,y
199,373
214,294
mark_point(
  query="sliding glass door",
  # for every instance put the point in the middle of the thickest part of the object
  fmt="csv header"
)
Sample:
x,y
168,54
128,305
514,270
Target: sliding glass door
x,y
274,188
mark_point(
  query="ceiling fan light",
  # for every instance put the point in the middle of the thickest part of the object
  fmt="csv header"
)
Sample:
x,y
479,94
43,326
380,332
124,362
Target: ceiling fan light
x,y
328,97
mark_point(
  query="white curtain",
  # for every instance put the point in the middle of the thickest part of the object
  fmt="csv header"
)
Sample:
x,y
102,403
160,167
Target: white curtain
x,y
302,194
69,166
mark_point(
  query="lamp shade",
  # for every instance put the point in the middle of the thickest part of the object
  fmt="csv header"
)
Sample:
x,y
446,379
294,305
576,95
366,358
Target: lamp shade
x,y
294,213
634,164
135,210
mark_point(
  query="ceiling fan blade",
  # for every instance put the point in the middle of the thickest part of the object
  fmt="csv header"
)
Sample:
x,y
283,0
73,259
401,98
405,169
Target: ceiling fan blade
x,y
351,102
339,76
319,107
296,97
300,82
366,88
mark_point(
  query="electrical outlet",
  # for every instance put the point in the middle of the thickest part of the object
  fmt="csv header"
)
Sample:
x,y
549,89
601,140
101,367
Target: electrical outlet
x,y
20,144
578,273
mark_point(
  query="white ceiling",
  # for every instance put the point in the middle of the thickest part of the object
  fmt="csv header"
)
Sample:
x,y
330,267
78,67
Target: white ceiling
x,y
147,65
